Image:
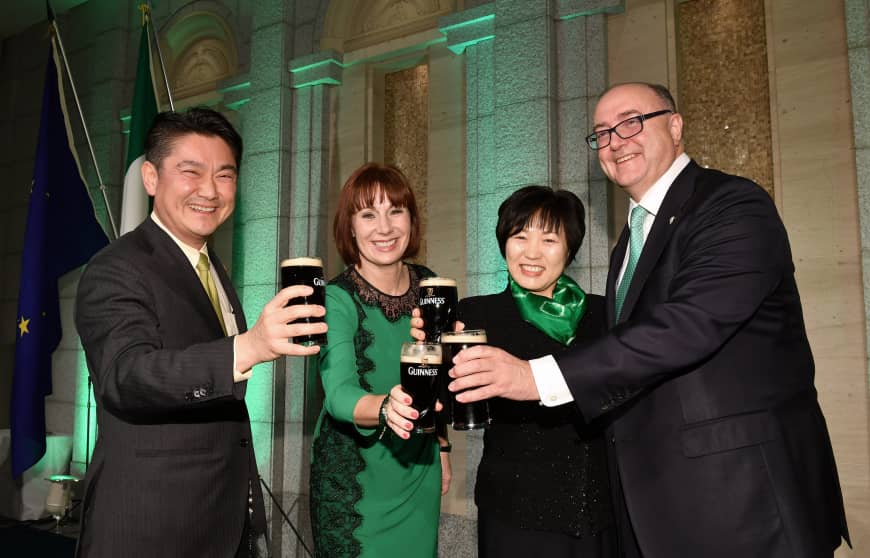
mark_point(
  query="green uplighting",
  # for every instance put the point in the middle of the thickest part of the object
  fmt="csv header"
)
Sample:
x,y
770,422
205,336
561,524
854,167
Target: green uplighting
x,y
236,105
237,87
477,20
317,65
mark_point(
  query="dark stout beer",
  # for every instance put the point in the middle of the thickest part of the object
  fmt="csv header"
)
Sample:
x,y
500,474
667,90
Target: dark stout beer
x,y
306,271
437,301
420,367
466,416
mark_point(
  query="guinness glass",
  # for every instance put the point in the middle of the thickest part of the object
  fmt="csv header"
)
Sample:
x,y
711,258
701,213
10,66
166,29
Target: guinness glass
x,y
437,301
420,368
306,271
466,416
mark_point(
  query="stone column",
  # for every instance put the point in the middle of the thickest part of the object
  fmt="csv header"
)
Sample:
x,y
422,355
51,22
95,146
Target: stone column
x,y
532,73
260,238
858,37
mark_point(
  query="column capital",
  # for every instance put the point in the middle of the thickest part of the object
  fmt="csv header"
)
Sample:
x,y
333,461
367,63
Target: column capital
x,y
569,9
468,27
320,68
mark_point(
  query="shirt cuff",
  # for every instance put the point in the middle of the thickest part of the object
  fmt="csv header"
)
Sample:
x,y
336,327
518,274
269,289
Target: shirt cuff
x,y
239,376
550,382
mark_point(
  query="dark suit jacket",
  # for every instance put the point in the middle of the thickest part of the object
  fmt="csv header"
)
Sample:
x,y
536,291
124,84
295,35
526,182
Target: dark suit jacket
x,y
173,459
720,444
543,468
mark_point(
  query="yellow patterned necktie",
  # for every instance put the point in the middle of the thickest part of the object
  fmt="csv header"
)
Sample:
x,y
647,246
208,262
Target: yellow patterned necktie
x,y
202,269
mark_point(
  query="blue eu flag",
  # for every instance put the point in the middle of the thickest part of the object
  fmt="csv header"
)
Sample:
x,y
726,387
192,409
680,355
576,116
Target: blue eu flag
x,y
62,233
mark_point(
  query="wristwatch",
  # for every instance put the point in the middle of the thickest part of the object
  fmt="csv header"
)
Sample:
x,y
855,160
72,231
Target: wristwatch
x,y
447,448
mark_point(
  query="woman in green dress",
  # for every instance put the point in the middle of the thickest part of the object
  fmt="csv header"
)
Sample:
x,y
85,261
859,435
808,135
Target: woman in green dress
x,y
374,493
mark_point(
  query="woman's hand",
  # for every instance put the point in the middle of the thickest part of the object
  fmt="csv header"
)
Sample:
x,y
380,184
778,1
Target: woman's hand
x,y
417,326
399,413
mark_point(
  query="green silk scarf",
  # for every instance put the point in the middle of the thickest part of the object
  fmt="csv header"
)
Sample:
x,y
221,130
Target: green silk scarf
x,y
557,317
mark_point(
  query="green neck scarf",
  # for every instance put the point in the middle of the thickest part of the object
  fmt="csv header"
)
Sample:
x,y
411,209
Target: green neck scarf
x,y
557,317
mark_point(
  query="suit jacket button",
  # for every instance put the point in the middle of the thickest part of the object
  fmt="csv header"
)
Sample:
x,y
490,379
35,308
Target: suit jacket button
x,y
613,440
243,442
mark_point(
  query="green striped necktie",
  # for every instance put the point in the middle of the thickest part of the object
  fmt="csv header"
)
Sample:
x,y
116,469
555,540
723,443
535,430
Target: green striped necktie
x,y
635,246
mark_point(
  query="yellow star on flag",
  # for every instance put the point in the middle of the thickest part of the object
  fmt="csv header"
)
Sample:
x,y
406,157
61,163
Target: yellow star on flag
x,y
22,326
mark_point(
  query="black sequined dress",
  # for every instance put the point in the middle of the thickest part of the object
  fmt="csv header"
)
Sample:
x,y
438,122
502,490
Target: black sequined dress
x,y
543,469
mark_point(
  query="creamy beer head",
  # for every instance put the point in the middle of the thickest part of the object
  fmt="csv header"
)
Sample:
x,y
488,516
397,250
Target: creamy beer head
x,y
468,337
306,261
425,353
437,282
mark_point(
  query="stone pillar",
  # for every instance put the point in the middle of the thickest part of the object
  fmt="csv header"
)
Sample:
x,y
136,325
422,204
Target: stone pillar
x,y
858,37
581,57
300,228
260,238
533,71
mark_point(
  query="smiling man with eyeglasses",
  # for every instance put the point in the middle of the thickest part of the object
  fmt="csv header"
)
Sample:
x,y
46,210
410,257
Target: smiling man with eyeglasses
x,y
718,445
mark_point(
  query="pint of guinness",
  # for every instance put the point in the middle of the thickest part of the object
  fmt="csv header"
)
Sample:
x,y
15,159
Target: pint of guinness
x,y
306,271
420,367
437,301
466,416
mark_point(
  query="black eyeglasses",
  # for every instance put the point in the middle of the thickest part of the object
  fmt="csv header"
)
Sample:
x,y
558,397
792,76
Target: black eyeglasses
x,y
628,128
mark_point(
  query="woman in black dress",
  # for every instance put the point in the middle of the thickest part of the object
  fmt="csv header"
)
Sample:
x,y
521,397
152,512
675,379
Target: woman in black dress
x,y
542,485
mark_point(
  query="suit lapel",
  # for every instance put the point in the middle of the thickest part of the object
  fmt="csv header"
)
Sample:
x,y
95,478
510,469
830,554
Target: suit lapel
x,y
667,219
180,275
616,259
230,291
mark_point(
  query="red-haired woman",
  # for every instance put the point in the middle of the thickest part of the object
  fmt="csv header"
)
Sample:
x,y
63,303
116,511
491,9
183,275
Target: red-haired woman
x,y
373,493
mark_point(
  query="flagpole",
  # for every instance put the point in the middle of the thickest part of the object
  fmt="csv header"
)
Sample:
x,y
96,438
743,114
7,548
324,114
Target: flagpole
x,y
84,124
160,58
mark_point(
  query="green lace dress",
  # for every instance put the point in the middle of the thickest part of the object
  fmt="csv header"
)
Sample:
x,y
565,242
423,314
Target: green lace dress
x,y
369,497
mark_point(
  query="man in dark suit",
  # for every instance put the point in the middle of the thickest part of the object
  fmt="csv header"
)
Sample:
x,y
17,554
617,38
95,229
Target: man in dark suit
x,y
718,443
173,471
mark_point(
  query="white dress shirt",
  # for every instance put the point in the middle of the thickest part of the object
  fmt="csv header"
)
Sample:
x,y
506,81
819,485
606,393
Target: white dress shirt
x,y
549,379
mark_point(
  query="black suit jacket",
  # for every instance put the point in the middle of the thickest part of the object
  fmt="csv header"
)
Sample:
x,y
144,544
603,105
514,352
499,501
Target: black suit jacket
x,y
543,468
173,460
720,444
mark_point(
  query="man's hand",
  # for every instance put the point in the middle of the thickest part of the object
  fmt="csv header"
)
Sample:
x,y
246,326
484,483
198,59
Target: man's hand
x,y
270,336
488,372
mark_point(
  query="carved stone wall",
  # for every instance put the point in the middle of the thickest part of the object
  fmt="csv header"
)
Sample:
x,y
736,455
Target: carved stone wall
x,y
200,52
354,24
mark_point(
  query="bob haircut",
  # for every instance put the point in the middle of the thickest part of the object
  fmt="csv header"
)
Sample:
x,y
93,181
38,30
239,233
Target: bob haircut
x,y
366,186
545,208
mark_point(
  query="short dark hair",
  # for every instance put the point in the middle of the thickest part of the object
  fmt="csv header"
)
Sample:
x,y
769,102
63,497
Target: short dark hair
x,y
661,92
170,125
551,210
664,94
363,188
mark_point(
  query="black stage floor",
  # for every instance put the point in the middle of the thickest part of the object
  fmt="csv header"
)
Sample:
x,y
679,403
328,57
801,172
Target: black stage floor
x,y
31,539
